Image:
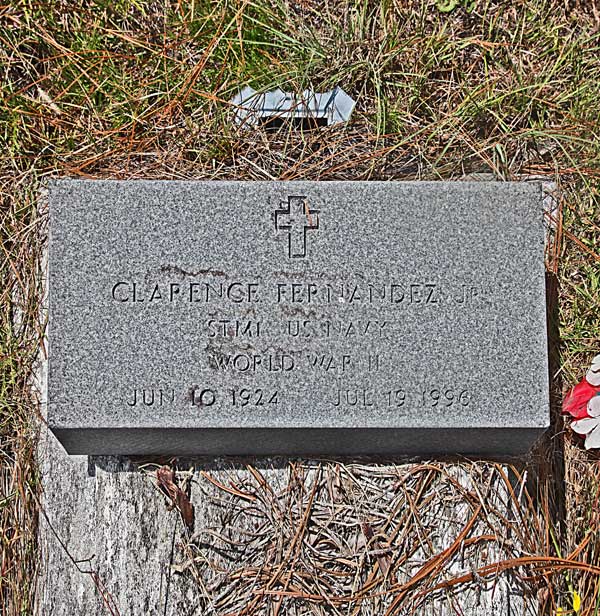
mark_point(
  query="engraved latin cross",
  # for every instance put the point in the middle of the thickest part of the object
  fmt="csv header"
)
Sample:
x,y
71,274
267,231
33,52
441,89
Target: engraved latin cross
x,y
296,218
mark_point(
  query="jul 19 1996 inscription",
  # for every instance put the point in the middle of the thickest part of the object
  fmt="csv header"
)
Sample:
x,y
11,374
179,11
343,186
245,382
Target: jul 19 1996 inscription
x,y
232,317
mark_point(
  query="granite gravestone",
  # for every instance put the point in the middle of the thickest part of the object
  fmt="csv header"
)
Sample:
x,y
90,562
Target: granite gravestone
x,y
297,317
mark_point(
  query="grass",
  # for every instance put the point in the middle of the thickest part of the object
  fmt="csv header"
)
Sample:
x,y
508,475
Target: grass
x,y
140,89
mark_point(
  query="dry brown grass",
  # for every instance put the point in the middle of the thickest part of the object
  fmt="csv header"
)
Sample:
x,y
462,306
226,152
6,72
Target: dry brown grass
x,y
365,539
127,89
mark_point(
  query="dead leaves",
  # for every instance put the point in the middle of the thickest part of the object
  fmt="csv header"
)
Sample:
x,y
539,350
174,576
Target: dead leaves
x,y
167,482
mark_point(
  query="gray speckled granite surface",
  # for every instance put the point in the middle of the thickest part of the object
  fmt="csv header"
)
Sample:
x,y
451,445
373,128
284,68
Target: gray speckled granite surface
x,y
296,317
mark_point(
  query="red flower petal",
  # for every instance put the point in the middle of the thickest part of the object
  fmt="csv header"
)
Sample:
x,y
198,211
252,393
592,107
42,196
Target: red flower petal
x,y
576,400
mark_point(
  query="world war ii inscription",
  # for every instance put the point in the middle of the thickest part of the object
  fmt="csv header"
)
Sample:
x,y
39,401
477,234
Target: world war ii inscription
x,y
296,317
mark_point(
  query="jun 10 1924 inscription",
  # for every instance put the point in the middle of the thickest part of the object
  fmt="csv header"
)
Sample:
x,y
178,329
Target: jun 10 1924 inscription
x,y
296,317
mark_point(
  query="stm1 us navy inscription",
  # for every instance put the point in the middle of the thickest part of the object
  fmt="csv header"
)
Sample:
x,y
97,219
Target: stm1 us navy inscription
x,y
338,318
